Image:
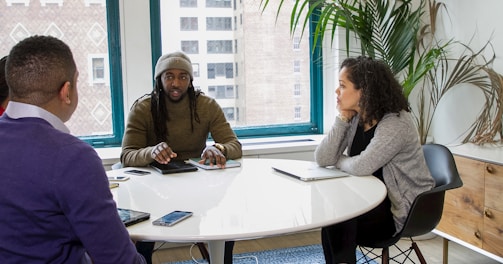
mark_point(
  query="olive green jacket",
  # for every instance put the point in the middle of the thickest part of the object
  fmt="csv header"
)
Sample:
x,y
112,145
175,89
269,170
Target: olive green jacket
x,y
139,137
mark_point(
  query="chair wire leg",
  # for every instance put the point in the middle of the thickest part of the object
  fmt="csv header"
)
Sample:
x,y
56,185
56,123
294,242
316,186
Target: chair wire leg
x,y
204,251
418,253
385,255
368,255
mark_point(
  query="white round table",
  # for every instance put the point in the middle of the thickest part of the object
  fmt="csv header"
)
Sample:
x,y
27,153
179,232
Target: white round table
x,y
248,202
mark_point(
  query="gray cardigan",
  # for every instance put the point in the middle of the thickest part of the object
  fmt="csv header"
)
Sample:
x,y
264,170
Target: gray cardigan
x,y
395,147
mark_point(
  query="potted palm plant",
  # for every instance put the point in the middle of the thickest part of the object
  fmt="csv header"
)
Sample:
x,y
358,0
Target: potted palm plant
x,y
403,36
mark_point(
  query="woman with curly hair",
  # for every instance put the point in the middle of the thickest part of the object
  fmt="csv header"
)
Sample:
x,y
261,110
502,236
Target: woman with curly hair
x,y
374,134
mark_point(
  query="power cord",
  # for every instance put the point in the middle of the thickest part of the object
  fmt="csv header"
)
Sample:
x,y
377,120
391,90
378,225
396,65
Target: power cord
x,y
192,256
250,256
159,247
195,260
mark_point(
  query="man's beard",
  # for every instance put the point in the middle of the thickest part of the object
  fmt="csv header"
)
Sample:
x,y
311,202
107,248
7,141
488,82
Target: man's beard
x,y
176,100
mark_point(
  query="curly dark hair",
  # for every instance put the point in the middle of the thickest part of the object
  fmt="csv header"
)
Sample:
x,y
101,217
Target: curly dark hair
x,y
381,92
160,112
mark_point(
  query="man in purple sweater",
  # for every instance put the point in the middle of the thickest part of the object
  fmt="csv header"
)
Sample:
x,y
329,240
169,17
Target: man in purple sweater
x,y
55,202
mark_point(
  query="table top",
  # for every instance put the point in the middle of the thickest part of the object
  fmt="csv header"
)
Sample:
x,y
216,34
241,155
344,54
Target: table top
x,y
248,202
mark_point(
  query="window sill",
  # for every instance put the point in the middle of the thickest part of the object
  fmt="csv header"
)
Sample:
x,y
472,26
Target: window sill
x,y
294,147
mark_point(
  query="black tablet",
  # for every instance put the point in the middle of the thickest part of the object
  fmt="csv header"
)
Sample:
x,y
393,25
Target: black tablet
x,y
131,217
173,167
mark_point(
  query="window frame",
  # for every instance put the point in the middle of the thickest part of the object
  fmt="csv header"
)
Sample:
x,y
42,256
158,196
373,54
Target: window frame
x,y
115,75
315,126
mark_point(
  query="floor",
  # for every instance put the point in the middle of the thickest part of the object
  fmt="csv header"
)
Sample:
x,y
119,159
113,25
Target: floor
x,y
431,249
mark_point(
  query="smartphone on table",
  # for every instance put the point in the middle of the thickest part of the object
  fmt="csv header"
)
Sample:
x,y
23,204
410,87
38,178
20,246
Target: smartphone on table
x,y
118,178
172,218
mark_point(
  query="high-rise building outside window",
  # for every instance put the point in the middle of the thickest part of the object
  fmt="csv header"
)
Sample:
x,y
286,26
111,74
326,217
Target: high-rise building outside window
x,y
259,47
252,62
83,25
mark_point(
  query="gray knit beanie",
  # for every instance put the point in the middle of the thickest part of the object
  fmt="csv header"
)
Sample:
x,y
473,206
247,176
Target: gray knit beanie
x,y
175,60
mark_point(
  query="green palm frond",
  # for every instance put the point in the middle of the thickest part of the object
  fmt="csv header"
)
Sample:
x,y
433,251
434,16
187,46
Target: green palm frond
x,y
385,29
397,32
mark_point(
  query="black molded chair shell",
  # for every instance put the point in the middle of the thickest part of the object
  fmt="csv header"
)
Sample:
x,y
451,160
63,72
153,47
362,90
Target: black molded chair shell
x,y
426,211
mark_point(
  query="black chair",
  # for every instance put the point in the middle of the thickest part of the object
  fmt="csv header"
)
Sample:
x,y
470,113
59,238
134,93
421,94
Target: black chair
x,y
425,212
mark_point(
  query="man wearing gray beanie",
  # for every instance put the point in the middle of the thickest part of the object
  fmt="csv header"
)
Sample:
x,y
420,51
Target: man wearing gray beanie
x,y
173,123
175,60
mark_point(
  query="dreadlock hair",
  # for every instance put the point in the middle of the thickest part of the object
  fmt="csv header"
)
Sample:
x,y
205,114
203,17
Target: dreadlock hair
x,y
160,112
381,92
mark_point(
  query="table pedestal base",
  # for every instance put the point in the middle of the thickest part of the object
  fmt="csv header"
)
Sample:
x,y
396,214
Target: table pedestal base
x,y
216,248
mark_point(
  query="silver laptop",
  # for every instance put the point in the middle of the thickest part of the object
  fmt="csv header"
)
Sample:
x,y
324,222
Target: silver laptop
x,y
308,171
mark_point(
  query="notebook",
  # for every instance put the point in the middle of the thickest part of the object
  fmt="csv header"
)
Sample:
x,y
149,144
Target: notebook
x,y
206,165
173,167
131,217
307,171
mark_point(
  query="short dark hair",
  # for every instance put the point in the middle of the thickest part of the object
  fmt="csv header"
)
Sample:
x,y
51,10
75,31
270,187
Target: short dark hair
x,y
37,67
4,88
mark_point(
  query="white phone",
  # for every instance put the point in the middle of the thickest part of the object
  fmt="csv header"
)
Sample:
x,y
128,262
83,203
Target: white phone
x,y
118,178
172,218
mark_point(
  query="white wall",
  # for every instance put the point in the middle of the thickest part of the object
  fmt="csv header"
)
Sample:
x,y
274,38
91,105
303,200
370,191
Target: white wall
x,y
473,23
136,51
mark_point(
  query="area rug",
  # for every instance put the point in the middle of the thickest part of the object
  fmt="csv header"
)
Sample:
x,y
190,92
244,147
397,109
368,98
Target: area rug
x,y
312,254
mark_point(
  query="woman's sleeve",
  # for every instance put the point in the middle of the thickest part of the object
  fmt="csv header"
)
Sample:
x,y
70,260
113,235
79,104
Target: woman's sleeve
x,y
390,137
332,146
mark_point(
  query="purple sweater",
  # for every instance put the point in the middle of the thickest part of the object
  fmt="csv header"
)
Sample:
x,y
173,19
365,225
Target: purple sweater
x,y
55,203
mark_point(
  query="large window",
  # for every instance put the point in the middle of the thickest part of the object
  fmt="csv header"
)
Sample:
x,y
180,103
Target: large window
x,y
258,44
251,68
99,116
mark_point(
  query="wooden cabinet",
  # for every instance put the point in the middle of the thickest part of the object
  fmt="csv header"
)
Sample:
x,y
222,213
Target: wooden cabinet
x,y
492,235
474,212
